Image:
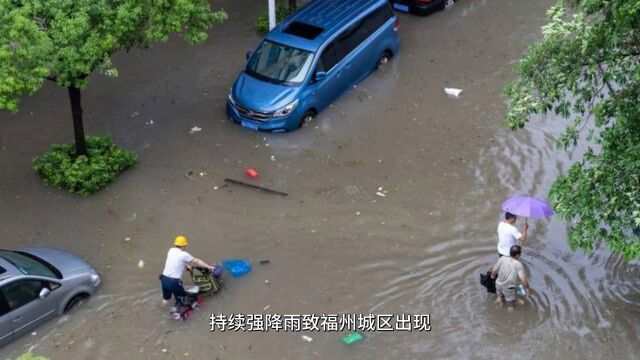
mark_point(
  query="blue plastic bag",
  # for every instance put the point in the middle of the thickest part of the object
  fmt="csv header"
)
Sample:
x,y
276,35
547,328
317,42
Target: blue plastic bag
x,y
237,267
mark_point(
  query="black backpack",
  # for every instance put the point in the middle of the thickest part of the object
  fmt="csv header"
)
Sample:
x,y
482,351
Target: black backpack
x,y
488,282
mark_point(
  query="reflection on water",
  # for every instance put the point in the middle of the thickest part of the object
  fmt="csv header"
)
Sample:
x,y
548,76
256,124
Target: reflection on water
x,y
574,296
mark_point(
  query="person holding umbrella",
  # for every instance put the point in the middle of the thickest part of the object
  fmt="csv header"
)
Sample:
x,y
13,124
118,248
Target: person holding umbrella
x,y
508,234
528,206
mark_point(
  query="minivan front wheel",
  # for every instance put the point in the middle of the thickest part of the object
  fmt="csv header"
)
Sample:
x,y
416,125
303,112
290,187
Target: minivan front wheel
x,y
383,60
307,117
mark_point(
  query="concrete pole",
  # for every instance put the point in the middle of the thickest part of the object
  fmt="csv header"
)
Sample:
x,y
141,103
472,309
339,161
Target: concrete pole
x,y
272,14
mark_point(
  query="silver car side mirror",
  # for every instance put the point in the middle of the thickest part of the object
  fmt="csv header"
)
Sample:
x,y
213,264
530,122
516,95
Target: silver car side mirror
x,y
44,293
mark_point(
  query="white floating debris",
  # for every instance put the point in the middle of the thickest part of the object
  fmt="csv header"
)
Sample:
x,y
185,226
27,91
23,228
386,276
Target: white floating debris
x,y
194,130
306,338
216,188
266,307
140,264
381,194
449,4
273,158
203,174
453,92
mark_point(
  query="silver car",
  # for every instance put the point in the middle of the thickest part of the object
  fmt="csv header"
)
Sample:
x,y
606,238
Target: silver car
x,y
36,284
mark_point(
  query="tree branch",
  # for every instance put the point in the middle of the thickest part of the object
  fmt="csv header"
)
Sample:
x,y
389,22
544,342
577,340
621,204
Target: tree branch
x,y
603,79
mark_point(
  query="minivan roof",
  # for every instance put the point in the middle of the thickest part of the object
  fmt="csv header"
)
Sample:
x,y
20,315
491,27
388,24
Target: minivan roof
x,y
329,15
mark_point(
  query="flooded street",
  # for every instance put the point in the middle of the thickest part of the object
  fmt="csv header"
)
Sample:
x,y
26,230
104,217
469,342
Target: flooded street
x,y
334,245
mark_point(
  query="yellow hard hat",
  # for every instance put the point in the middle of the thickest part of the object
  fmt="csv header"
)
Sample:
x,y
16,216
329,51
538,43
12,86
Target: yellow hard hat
x,y
180,241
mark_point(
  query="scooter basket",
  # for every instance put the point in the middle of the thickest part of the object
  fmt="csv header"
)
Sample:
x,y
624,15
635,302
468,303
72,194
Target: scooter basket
x,y
206,281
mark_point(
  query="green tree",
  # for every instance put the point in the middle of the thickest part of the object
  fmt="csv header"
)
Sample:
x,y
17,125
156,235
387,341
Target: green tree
x,y
586,71
64,41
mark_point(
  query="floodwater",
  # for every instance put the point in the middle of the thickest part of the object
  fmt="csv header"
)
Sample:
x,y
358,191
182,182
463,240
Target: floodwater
x,y
334,246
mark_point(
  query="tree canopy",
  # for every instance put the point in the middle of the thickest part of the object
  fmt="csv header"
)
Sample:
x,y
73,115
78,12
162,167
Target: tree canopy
x,y
66,40
586,71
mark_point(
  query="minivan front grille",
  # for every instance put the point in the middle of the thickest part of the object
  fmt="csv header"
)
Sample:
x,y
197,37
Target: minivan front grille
x,y
252,114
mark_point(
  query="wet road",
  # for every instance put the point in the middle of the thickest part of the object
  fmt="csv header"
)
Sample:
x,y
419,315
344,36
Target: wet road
x,y
334,246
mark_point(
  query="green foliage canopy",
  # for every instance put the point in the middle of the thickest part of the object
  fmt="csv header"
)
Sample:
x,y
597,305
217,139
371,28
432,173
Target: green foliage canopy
x,y
586,71
66,40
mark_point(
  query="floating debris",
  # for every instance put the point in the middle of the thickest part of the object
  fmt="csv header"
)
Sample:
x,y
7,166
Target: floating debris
x,y
453,92
306,338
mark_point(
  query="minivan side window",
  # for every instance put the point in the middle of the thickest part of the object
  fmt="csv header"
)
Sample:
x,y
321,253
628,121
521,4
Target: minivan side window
x,y
329,58
352,37
361,30
21,292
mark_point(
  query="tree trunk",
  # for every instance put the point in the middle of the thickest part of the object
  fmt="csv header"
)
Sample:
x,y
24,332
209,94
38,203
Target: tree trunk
x,y
292,5
78,128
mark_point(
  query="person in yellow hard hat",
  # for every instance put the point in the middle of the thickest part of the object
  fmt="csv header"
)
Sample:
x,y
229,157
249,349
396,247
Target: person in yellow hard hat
x,y
177,260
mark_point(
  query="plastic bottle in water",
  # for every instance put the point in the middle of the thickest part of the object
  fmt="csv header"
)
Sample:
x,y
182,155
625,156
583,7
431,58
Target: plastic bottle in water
x,y
521,290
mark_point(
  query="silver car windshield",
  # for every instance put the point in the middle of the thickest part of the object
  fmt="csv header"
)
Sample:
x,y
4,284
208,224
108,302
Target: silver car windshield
x,y
28,264
280,64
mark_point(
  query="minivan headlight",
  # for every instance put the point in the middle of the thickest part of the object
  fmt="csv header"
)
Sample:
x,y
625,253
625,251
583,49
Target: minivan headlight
x,y
285,110
231,99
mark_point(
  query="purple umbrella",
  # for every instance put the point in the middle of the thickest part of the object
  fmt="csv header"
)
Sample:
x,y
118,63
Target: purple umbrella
x,y
528,206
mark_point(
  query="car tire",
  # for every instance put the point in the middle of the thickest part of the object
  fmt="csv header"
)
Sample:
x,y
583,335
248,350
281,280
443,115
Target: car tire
x,y
75,301
307,117
383,59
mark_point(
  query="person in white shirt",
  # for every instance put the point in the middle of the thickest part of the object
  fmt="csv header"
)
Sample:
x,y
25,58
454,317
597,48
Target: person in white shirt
x,y
508,235
177,261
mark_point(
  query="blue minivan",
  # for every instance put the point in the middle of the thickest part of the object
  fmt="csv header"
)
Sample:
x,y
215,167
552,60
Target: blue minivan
x,y
310,59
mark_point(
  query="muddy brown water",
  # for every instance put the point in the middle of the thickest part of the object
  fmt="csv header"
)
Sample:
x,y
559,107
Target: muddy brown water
x,y
334,246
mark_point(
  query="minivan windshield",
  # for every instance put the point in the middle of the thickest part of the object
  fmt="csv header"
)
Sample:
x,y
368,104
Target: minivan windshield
x,y
280,64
